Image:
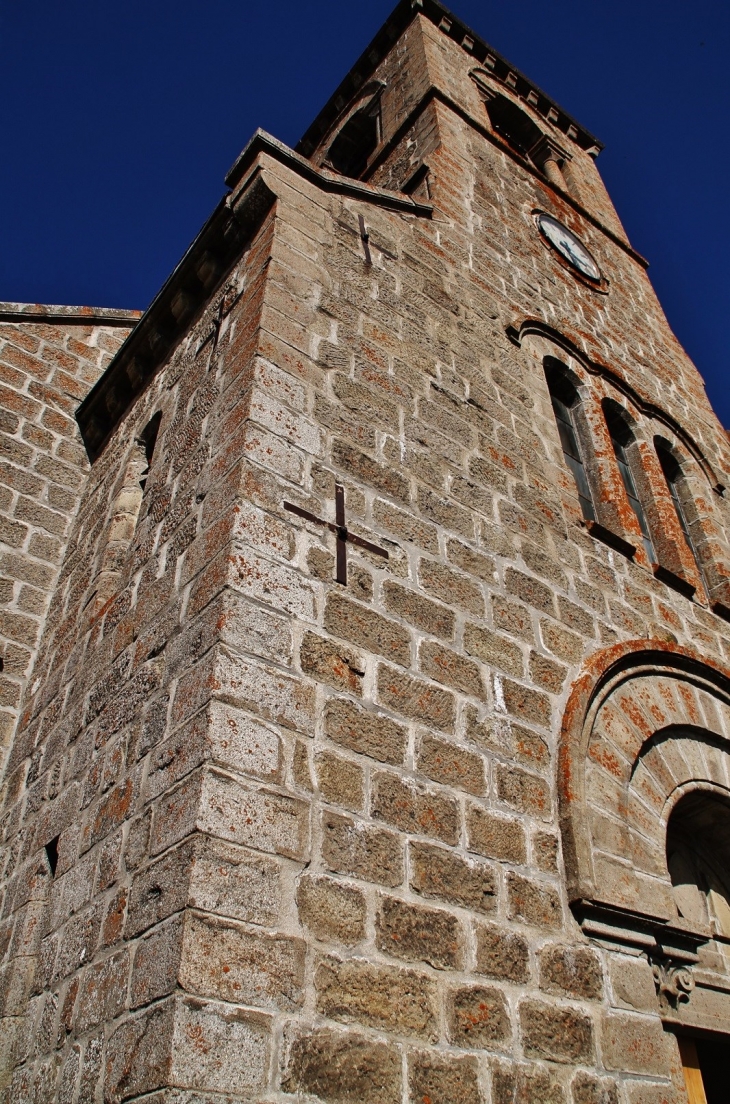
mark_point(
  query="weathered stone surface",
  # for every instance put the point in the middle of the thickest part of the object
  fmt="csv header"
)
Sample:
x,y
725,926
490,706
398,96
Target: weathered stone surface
x,y
225,960
414,809
362,851
340,781
156,966
331,910
443,1080
102,992
332,663
230,1051
344,1068
587,1089
502,953
556,1033
419,935
364,627
495,837
443,875
451,764
636,1044
418,611
230,881
478,1017
533,903
572,971
365,731
139,1056
381,997
262,819
528,793
525,1084
633,984
416,699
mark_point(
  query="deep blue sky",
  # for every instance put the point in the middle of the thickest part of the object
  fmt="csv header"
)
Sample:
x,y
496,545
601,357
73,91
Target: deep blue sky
x,y
119,122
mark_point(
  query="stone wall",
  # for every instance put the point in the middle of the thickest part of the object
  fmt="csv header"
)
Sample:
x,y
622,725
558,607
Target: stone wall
x,y
49,359
268,838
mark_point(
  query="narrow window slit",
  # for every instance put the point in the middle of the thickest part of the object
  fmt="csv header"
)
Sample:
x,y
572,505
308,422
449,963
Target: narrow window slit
x,y
147,442
51,850
565,398
621,439
673,475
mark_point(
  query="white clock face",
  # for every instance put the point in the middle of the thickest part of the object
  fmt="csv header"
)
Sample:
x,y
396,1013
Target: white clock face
x,y
568,246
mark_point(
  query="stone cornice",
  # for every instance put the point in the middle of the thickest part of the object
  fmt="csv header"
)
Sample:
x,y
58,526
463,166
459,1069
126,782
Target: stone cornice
x,y
176,305
482,53
201,270
80,316
324,179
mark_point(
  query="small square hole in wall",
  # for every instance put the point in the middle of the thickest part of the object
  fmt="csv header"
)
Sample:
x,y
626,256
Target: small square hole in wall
x,y
51,850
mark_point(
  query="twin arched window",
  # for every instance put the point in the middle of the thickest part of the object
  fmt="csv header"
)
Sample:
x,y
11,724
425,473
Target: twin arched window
x,y
636,482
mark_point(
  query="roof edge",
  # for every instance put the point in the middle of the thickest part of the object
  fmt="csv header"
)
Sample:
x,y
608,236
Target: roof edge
x,y
472,43
263,142
200,271
44,312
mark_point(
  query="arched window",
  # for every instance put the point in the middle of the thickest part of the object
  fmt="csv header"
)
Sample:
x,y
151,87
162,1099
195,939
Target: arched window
x,y
525,136
678,491
358,139
513,124
146,445
565,399
698,860
622,439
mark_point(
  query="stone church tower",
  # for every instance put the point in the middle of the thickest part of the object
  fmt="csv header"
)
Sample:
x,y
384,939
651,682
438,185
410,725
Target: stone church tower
x,y
370,681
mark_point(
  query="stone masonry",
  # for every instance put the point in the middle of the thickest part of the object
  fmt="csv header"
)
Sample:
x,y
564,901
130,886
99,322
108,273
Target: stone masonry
x,y
49,357
269,838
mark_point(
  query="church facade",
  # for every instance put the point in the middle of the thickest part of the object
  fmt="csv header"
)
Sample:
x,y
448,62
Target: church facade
x,y
366,657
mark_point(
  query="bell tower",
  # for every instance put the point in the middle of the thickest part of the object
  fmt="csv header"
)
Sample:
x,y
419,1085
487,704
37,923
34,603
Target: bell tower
x,y
384,692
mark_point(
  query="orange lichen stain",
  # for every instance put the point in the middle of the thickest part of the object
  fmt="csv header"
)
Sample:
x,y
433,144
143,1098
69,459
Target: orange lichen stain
x,y
606,759
195,1034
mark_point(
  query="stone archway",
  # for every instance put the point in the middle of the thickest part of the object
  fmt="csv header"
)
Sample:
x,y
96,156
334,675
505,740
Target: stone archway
x,y
646,731
644,723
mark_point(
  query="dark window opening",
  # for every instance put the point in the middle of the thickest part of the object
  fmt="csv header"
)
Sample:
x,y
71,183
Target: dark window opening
x,y
622,439
565,398
673,475
705,1065
147,442
513,124
418,184
357,141
714,1061
698,861
51,850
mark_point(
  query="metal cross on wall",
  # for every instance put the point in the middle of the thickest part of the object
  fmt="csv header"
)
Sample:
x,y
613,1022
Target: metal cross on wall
x,y
339,527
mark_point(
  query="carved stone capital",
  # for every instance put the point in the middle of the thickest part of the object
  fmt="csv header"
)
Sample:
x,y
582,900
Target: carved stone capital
x,y
674,981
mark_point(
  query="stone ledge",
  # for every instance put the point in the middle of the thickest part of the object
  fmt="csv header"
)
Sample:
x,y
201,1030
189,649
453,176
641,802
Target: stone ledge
x,y
84,316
